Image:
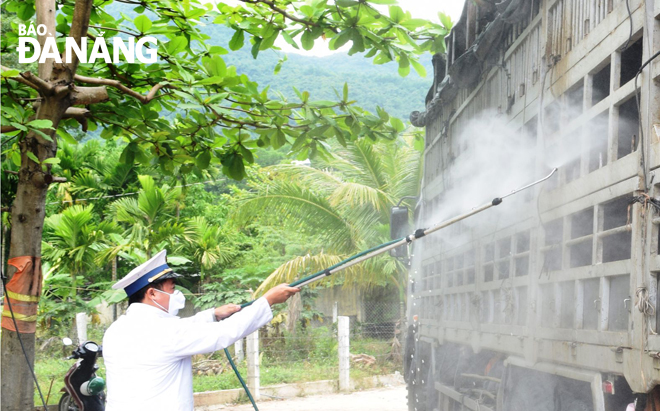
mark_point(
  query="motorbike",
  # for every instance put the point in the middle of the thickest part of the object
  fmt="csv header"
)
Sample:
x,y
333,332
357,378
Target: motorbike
x,y
83,389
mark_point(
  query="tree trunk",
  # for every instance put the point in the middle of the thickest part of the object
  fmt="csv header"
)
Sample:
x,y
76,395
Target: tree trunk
x,y
58,92
28,212
27,226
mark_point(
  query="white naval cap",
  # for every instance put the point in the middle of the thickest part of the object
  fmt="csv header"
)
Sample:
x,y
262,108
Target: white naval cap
x,y
155,269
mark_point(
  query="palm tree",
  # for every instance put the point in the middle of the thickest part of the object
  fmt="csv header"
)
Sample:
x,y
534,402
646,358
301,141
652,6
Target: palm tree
x,y
152,217
344,201
70,240
206,245
92,171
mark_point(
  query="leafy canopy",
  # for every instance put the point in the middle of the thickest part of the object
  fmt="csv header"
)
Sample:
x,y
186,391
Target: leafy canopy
x,y
190,109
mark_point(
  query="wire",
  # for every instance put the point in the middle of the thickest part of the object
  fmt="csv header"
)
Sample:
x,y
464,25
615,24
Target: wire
x,y
631,25
123,194
20,340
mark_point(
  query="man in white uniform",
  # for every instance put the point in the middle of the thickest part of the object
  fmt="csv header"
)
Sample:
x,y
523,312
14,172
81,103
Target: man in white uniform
x,y
147,352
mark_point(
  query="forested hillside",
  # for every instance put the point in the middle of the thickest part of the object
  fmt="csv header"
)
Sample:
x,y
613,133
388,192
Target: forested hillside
x,y
371,85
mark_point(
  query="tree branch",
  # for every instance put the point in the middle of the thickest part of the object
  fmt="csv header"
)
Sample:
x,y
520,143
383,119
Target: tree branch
x,y
273,6
89,95
49,178
42,86
78,114
117,30
79,26
21,79
7,129
119,86
46,10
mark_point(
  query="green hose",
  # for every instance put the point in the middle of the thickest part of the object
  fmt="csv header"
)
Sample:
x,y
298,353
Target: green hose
x,y
293,284
238,374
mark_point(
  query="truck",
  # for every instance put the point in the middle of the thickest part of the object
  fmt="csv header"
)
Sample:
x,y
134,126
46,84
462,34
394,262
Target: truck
x,y
547,302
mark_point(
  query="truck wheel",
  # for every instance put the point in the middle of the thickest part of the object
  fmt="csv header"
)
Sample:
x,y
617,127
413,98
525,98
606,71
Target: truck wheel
x,y
67,404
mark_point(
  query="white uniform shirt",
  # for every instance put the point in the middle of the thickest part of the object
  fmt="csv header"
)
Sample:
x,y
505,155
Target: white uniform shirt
x,y
147,353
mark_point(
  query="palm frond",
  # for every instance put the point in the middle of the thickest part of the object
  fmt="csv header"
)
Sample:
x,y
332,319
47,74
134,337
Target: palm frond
x,y
319,178
300,267
361,163
300,207
351,195
126,210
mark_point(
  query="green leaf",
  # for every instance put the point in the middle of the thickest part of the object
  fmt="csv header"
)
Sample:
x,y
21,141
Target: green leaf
x,y
307,10
347,3
396,14
412,24
237,40
11,73
418,144
387,2
202,161
32,157
177,45
66,136
42,134
215,65
397,124
345,91
342,39
52,160
307,40
287,37
256,47
445,20
278,66
246,153
358,43
203,82
128,155
18,126
278,139
41,123
418,68
269,41
25,10
142,23
16,158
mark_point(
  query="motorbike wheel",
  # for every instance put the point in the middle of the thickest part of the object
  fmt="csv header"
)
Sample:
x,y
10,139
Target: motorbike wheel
x,y
67,404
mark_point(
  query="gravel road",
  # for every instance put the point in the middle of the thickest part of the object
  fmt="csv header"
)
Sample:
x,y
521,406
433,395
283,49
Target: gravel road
x,y
380,399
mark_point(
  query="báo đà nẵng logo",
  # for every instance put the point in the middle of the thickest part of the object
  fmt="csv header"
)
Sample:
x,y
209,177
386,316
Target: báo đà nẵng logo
x,y
128,48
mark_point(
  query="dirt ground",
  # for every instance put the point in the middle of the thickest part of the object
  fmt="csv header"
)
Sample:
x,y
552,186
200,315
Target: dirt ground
x,y
380,399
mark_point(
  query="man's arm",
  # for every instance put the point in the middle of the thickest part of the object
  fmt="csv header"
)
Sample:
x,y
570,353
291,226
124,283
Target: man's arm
x,y
192,338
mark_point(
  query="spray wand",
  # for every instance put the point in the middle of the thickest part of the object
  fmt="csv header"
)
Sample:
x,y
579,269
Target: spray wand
x,y
383,248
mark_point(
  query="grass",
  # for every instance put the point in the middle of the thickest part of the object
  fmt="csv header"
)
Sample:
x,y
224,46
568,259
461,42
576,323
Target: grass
x,y
307,357
51,365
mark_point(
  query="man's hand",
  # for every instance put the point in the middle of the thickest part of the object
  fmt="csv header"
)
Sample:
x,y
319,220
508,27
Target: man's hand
x,y
280,293
225,311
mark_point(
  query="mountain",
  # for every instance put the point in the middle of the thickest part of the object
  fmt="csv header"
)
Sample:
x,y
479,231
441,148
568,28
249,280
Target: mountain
x,y
369,84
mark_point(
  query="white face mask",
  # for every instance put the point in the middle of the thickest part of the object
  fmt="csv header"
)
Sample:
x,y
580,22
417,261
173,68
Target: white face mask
x,y
177,301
